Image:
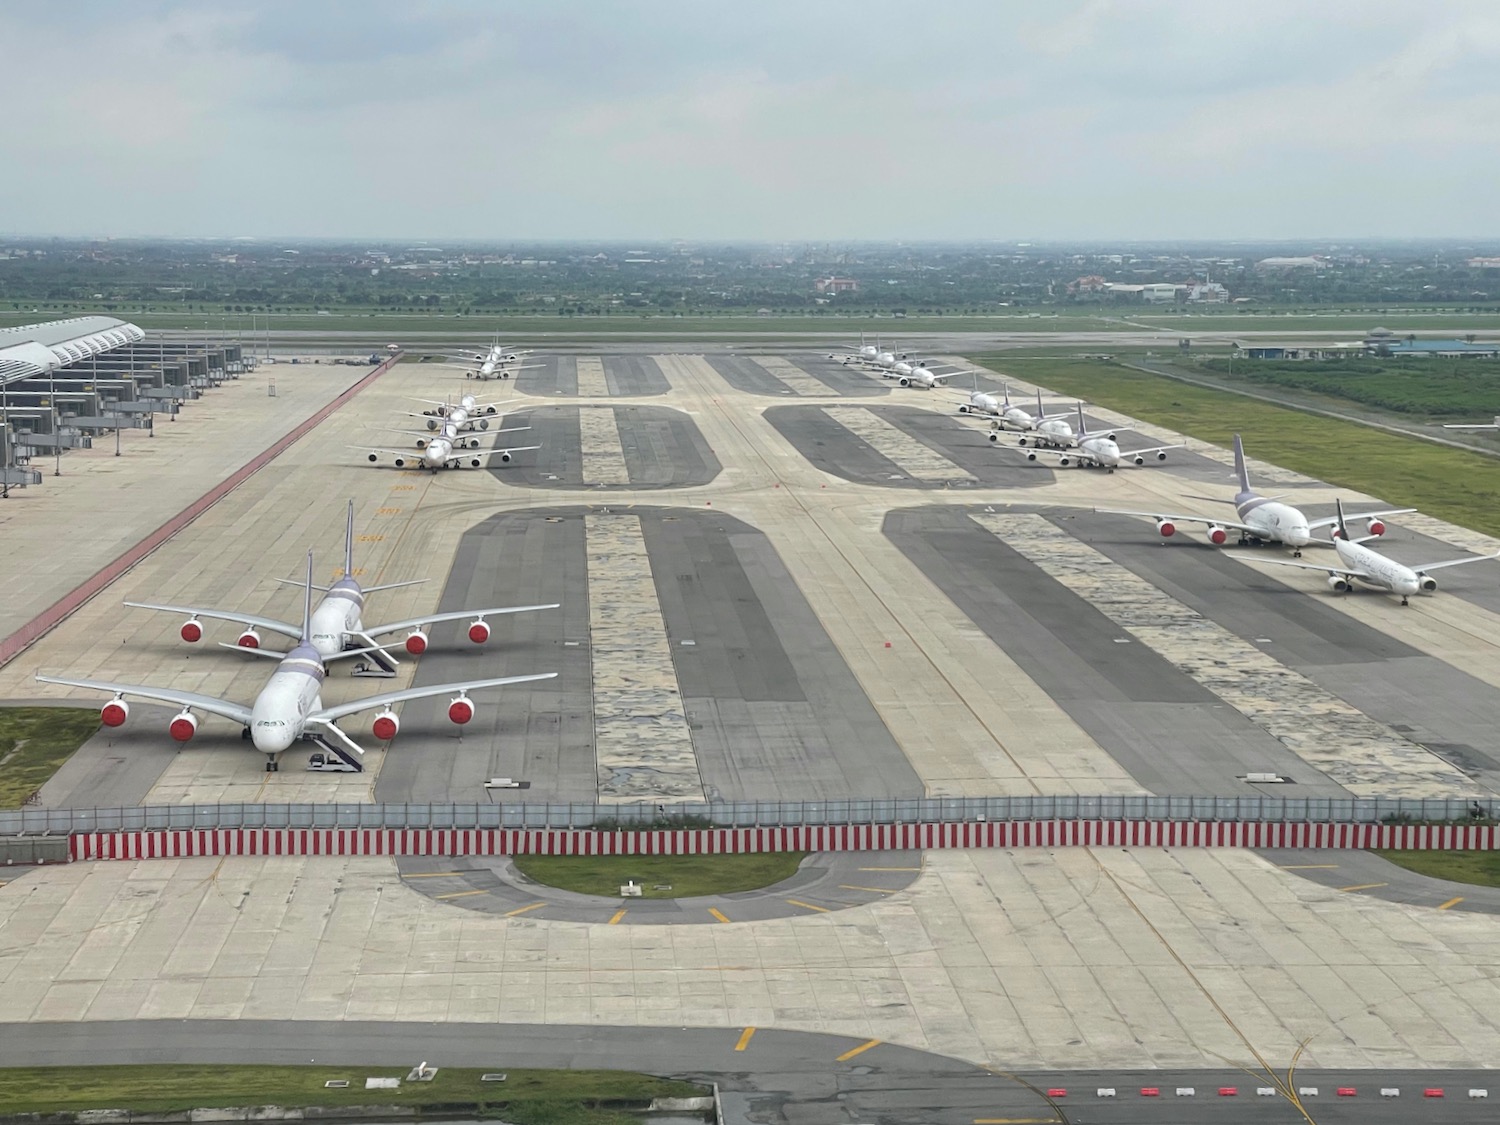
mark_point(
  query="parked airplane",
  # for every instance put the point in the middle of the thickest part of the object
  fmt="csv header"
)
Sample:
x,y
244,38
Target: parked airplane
x,y
910,374
1007,417
1096,450
1044,432
337,628
864,354
290,706
1263,519
446,452
466,402
1360,564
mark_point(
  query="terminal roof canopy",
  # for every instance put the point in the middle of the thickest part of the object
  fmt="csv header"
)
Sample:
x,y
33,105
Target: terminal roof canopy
x,y
29,350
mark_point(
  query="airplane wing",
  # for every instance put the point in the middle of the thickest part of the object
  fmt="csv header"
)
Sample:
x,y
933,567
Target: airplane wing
x,y
456,615
1206,520
1422,568
212,704
1329,521
329,714
497,452
285,628
1152,452
948,375
409,454
1353,573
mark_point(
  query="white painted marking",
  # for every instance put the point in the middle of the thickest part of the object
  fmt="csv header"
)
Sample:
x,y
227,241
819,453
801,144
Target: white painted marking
x,y
797,381
603,460
896,445
592,382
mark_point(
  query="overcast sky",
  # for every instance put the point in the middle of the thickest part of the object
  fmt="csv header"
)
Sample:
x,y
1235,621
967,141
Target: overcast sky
x,y
770,119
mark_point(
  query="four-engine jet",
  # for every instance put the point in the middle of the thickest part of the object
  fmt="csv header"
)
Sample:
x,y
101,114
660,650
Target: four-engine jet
x,y
290,706
1360,564
1095,450
336,628
1263,519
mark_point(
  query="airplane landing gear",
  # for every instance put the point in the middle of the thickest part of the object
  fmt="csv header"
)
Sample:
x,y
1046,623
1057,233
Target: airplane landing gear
x,y
245,735
1297,553
1404,601
273,766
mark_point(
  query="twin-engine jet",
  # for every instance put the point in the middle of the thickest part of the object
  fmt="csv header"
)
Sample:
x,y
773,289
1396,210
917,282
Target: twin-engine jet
x,y
1086,450
1262,519
1006,416
335,628
1360,564
290,706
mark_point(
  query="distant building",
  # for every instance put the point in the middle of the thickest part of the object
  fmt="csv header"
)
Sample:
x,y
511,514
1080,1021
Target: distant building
x,y
1290,264
1208,292
1093,283
1152,294
1484,263
836,285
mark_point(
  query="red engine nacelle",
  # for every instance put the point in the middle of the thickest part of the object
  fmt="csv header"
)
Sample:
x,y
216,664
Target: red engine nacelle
x,y
386,725
479,632
191,631
1377,527
249,639
114,713
1166,528
461,710
416,642
183,727
1217,535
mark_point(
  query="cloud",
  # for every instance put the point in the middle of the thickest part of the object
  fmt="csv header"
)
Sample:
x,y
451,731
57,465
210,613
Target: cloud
x,y
843,119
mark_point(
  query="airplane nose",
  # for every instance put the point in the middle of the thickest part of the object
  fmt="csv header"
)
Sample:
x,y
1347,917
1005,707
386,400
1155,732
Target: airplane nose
x,y
271,740
1299,536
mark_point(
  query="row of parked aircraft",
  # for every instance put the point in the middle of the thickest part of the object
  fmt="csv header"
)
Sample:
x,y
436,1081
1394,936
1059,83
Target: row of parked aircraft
x,y
450,440
290,706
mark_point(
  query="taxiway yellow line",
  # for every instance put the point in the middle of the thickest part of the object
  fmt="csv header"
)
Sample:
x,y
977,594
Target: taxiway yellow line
x,y
524,909
615,921
433,874
872,890
861,1049
1451,903
744,1040
717,915
461,894
1364,886
808,906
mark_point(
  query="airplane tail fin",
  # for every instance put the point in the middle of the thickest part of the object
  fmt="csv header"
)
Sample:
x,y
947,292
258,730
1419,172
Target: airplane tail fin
x,y
1083,429
1343,528
349,543
307,603
1041,411
1239,464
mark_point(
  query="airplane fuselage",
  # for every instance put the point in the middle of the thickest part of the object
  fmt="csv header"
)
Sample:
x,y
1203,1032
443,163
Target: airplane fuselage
x,y
338,618
1054,433
278,717
1384,573
1273,521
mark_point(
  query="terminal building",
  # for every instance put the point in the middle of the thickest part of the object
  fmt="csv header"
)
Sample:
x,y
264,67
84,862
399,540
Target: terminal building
x,y
64,382
1377,342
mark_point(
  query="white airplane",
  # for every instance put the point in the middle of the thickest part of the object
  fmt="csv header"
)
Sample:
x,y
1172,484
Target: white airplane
x,y
1360,564
1044,432
466,402
1098,451
336,628
445,451
863,355
1495,425
495,363
290,706
1007,417
910,374
456,428
1263,519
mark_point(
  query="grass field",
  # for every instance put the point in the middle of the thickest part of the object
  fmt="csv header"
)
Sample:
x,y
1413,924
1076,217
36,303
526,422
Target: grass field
x,y
34,742
1423,387
1451,484
688,876
1479,868
527,1097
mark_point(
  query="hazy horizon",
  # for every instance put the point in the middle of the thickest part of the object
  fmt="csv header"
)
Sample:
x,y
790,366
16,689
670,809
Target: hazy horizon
x,y
970,120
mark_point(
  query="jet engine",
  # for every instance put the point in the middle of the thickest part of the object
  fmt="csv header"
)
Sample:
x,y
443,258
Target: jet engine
x,y
432,423
374,457
248,639
963,408
1031,456
1166,528
1019,441
483,423
1338,584
905,381
479,632
1376,527
1139,460
1063,461
994,436
421,443
183,727
191,631
114,713
386,725
461,710
505,457
1161,454
475,462
1427,582
489,410
416,642
473,443
1216,535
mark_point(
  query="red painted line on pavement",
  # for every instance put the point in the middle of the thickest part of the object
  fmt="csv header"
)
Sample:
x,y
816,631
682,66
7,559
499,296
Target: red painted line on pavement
x,y
55,614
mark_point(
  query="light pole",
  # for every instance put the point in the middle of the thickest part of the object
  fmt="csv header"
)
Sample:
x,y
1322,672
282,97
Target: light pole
x,y
56,421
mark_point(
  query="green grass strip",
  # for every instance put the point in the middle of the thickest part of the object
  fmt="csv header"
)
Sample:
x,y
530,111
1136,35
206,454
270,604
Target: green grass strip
x,y
687,876
1482,869
527,1097
34,743
1451,484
